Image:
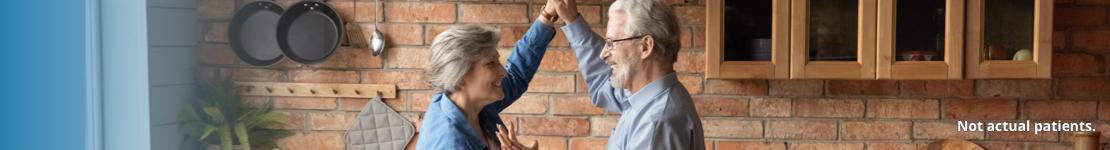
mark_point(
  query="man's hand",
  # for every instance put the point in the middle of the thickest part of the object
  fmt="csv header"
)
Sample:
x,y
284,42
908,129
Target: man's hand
x,y
508,138
548,16
567,10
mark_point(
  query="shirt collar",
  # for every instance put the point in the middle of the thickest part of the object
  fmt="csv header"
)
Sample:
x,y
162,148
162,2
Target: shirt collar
x,y
455,117
654,89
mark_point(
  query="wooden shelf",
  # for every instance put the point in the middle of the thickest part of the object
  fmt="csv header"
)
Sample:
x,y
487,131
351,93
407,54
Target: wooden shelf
x,y
316,89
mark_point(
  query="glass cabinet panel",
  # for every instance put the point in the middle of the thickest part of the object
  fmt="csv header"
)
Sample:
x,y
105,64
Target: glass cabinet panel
x,y
1009,38
747,39
920,39
832,39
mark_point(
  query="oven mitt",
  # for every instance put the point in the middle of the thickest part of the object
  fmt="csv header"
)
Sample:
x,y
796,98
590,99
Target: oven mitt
x,y
379,127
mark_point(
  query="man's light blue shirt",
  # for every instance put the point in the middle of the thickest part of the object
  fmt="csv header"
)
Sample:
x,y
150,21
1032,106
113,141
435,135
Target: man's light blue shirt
x,y
659,116
444,125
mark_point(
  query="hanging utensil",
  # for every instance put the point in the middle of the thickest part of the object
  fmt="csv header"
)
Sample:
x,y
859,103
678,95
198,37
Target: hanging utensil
x,y
309,31
377,43
355,37
252,30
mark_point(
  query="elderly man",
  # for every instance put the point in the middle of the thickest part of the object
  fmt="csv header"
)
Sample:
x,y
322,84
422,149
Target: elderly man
x,y
631,71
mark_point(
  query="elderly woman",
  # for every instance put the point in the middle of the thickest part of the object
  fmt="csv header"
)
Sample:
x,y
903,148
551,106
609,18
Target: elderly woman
x,y
473,86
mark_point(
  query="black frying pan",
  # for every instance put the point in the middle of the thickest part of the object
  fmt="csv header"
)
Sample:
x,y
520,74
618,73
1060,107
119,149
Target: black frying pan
x,y
252,33
309,31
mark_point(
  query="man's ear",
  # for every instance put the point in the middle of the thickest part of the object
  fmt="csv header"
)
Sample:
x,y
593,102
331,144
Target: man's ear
x,y
647,46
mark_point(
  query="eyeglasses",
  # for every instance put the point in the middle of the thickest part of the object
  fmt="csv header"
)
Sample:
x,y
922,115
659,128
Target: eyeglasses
x,y
609,43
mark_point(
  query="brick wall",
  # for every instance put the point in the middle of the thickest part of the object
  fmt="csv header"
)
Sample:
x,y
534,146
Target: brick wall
x,y
774,114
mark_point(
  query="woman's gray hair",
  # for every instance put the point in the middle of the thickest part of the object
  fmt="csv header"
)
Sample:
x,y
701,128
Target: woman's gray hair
x,y
655,18
455,50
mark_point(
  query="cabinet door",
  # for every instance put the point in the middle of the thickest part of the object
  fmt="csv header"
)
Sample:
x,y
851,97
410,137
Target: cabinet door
x,y
747,39
1009,39
832,39
920,39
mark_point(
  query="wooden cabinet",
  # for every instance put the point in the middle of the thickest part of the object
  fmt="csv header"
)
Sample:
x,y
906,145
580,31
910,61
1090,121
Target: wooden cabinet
x,y
1009,39
832,39
878,39
920,39
747,39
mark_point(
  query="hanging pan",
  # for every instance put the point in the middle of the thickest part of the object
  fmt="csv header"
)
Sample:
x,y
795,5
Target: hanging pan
x,y
252,30
309,31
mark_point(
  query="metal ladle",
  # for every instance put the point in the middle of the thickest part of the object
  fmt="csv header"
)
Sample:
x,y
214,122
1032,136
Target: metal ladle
x,y
377,44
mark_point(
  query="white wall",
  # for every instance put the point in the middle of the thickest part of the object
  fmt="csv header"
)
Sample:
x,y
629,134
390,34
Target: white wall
x,y
173,44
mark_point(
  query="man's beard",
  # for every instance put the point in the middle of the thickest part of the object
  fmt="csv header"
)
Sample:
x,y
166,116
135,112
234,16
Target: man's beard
x,y
621,75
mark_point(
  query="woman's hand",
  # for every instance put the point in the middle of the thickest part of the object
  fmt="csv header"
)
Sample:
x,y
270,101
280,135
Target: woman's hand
x,y
567,10
549,16
508,138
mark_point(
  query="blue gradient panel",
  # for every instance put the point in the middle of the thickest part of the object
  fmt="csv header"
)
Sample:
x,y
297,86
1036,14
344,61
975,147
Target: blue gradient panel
x,y
42,72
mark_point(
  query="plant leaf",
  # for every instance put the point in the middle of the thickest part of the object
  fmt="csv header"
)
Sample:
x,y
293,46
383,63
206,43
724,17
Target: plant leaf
x,y
208,129
244,139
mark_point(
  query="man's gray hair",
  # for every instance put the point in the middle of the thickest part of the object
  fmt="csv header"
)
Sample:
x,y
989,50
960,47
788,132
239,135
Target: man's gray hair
x,y
455,50
655,18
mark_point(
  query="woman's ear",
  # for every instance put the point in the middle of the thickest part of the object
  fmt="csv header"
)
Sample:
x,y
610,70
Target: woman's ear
x,y
647,46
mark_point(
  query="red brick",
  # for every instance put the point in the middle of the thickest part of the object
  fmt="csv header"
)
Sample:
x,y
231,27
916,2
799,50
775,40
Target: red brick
x,y
557,60
910,146
1044,146
690,15
797,87
588,143
580,84
1077,63
686,38
396,34
937,88
407,57
802,129
420,100
574,105
1091,40
217,54
1093,2
903,108
216,32
732,128
404,79
420,12
493,13
255,75
826,146
876,130
321,103
1013,88
545,142
1080,17
215,9
552,83
692,83
943,130
721,106
698,34
1023,136
356,104
556,126
758,145
1104,111
510,34
332,120
529,104
1059,39
434,30
350,58
770,107
603,126
863,87
347,9
324,76
293,121
980,109
331,140
1060,110
416,118
737,87
1083,87
834,108
690,62
255,101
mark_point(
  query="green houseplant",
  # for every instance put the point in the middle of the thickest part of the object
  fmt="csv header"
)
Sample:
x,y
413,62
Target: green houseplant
x,y
220,111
